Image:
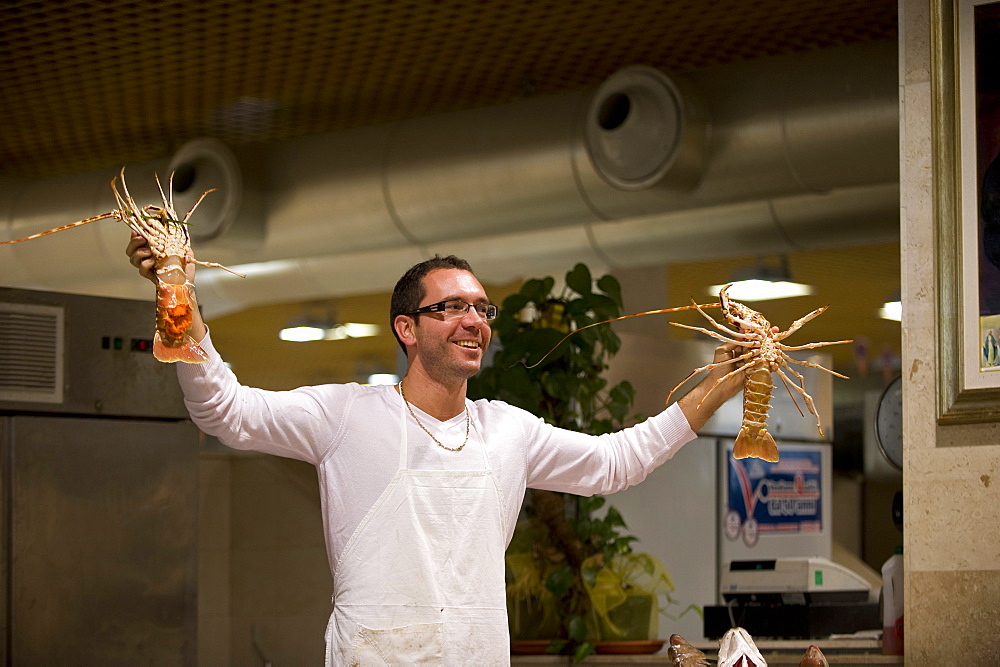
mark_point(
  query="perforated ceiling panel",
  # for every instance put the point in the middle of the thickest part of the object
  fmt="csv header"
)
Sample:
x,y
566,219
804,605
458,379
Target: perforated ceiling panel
x,y
93,84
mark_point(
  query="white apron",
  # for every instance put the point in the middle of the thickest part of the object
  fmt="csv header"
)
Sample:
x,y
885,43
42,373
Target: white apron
x,y
422,578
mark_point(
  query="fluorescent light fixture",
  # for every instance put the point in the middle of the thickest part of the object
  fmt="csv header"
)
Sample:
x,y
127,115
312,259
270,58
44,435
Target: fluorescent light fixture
x,y
762,290
306,333
891,310
320,322
351,330
762,282
302,334
383,378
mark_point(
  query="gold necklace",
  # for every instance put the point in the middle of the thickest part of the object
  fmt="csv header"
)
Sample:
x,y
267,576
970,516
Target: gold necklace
x,y
468,422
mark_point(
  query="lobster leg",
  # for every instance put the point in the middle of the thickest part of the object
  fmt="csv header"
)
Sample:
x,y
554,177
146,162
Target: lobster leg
x,y
716,336
813,365
806,397
214,265
788,388
709,367
797,324
810,346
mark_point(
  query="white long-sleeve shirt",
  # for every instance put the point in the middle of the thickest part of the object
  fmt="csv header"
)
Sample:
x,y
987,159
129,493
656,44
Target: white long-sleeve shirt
x,y
351,433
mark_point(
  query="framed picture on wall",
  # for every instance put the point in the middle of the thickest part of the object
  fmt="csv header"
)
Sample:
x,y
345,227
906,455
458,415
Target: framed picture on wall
x,y
966,89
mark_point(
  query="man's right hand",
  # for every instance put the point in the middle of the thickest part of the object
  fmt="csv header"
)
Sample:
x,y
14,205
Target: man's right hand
x,y
141,257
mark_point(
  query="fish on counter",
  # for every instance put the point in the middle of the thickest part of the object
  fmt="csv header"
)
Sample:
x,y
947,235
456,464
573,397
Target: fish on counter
x,y
736,649
813,658
683,654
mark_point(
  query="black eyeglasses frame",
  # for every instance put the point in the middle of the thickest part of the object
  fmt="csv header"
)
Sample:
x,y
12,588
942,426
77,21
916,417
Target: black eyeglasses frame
x,y
441,307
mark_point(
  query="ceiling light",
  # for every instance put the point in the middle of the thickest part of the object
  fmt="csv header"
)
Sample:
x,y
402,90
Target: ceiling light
x,y
302,334
762,282
320,324
351,330
383,378
892,309
310,332
762,290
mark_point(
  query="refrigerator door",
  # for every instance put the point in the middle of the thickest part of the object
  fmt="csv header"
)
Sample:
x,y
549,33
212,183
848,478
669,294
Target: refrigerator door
x,y
101,540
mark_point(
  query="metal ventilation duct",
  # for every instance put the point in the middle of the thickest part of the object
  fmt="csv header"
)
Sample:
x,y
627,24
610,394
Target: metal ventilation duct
x,y
767,156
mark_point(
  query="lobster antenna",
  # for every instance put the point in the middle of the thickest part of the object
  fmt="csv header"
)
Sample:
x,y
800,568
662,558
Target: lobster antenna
x,y
102,216
614,319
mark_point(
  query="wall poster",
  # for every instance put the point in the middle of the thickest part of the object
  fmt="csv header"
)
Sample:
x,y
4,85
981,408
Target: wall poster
x,y
783,498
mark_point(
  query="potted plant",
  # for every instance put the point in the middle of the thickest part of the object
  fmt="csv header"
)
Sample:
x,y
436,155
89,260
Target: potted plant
x,y
571,574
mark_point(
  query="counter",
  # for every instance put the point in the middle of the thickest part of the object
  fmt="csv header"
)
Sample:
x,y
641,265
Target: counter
x,y
775,652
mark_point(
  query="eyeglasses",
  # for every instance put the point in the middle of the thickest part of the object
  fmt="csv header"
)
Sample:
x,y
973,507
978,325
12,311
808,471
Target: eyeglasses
x,y
458,308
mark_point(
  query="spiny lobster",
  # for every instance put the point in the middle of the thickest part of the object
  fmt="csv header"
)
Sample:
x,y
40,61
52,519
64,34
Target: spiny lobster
x,y
171,246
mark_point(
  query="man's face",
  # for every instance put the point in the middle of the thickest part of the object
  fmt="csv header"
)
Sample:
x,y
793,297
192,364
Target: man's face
x,y
452,344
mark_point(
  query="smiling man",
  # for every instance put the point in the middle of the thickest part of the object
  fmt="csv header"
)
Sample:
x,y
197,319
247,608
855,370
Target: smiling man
x,y
421,487
440,315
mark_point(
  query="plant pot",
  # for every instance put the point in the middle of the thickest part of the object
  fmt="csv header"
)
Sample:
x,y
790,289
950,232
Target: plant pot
x,y
632,620
527,619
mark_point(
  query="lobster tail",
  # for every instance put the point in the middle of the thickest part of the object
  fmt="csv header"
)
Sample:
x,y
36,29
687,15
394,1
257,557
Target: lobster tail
x,y
174,313
756,445
753,440
188,351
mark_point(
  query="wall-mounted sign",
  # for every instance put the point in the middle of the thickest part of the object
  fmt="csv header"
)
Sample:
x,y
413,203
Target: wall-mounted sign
x,y
774,498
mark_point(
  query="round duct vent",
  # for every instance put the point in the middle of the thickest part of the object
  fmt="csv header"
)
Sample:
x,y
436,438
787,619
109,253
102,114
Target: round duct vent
x,y
641,131
200,165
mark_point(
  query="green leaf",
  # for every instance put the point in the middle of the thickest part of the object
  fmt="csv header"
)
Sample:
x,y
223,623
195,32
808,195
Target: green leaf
x,y
603,532
584,527
603,307
556,646
538,342
623,545
620,400
609,339
614,518
611,346
514,303
559,386
623,392
619,411
577,628
600,427
506,327
560,580
589,575
610,286
483,385
579,280
588,504
519,389
578,308
583,651
595,385
537,290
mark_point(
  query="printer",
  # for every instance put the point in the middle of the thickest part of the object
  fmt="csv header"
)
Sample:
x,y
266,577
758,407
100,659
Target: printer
x,y
793,598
